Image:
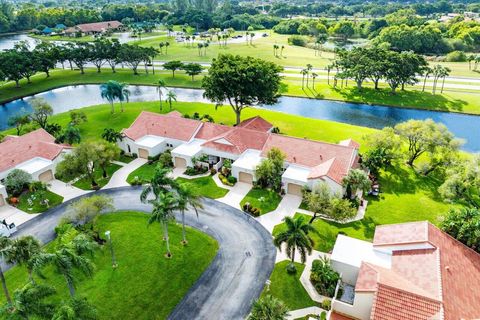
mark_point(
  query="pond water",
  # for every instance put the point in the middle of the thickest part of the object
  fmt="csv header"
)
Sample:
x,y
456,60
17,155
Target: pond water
x,y
463,126
8,41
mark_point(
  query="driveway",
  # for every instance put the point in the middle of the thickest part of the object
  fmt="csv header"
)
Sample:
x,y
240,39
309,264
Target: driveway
x,y
119,177
236,194
66,190
11,214
235,278
286,208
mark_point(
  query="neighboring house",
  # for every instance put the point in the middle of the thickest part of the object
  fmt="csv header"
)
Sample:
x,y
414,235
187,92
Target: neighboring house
x,y
94,28
307,161
410,271
47,31
35,152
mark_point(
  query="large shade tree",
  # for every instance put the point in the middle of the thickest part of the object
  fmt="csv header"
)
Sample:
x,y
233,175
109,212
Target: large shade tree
x,y
242,82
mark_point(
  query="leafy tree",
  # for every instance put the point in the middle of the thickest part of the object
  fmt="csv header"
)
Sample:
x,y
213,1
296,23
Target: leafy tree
x,y
29,65
356,179
268,308
41,111
45,56
107,152
319,200
296,237
173,65
171,96
11,64
269,171
242,81
341,210
75,308
112,135
81,161
70,135
16,181
86,210
100,49
77,117
18,122
31,302
163,211
383,149
132,55
462,224
23,252
80,53
355,63
193,69
53,128
344,29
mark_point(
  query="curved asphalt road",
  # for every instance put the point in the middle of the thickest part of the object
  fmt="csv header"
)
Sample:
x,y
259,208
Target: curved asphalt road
x,y
233,280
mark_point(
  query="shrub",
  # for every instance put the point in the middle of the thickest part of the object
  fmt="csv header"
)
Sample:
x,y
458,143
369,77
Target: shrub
x,y
456,56
136,181
86,210
213,171
17,181
326,304
232,179
297,41
323,277
134,155
323,315
291,268
165,159
276,130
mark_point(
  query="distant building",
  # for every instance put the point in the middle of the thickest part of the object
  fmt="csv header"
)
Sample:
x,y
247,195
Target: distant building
x,y
94,28
60,26
47,31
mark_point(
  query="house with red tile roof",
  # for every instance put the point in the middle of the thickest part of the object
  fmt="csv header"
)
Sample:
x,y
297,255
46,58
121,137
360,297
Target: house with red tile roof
x,y
94,28
307,161
410,271
35,152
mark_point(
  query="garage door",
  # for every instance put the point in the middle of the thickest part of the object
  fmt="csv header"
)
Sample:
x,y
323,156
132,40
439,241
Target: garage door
x,y
143,153
2,200
180,162
46,176
295,189
245,177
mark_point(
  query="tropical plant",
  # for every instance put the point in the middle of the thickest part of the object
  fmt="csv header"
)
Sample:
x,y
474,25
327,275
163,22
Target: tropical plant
x,y
5,249
160,86
296,237
318,200
31,302
109,91
268,308
75,308
106,152
70,135
163,211
161,182
171,96
187,197
269,171
356,180
324,277
81,161
463,224
23,252
112,135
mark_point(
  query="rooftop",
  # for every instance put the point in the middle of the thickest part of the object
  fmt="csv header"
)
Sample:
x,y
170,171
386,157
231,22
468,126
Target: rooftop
x,y
249,160
150,141
354,251
190,149
34,165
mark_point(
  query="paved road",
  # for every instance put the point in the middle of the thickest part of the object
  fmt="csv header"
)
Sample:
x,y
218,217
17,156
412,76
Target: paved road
x,y
237,274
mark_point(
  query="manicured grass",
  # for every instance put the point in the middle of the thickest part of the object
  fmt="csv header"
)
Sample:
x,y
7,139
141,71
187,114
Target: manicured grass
x,y
86,184
288,288
405,196
63,38
145,285
265,200
125,159
37,207
144,172
204,186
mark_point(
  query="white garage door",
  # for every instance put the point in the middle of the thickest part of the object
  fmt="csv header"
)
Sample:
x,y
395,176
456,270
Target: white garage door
x,y
245,177
142,153
2,200
180,162
46,176
294,189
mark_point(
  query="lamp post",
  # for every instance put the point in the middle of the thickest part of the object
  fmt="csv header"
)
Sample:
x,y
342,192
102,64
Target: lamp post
x,y
109,239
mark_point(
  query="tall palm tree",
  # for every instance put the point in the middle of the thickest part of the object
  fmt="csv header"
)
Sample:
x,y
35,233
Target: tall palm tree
x,y
163,211
187,197
314,76
122,93
161,182
427,73
160,86
31,302
76,308
296,237
23,252
171,96
5,249
69,257
109,91
268,308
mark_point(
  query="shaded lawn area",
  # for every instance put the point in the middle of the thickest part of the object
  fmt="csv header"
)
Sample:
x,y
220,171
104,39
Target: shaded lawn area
x,y
265,200
86,184
144,172
37,207
405,196
204,186
288,288
145,285
125,159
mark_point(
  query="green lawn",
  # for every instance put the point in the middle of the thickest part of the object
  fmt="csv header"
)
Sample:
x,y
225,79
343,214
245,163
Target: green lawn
x,y
37,207
265,200
144,172
145,285
288,288
86,184
62,38
204,186
405,197
125,159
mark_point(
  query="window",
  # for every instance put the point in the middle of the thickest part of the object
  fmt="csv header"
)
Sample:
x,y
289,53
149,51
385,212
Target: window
x,y
129,150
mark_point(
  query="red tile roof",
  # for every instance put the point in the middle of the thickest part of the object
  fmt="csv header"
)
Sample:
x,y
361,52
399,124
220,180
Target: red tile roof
x,y
401,233
337,316
256,123
169,126
95,27
238,140
211,130
38,143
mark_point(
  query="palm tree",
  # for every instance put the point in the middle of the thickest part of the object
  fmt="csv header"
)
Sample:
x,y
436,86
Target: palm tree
x,y
161,45
30,302
470,59
76,308
5,247
200,46
275,48
428,71
205,46
23,252
123,94
167,44
304,73
296,238
163,207
69,257
314,76
268,308
187,197
355,180
109,91
160,85
309,68
171,96
161,182
281,50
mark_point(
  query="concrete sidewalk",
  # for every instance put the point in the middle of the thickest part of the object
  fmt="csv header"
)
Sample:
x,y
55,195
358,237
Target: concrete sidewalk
x,y
67,191
236,194
286,208
119,178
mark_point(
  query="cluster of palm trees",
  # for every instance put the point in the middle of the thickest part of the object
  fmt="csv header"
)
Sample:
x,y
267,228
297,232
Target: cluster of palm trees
x,y
276,48
113,90
438,72
170,97
473,58
68,259
165,45
204,46
169,197
306,74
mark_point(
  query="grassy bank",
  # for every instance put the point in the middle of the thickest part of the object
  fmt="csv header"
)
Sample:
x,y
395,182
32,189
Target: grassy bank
x,y
145,285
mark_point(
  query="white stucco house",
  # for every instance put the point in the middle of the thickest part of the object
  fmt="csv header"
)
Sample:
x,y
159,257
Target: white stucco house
x,y
410,271
35,152
307,161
